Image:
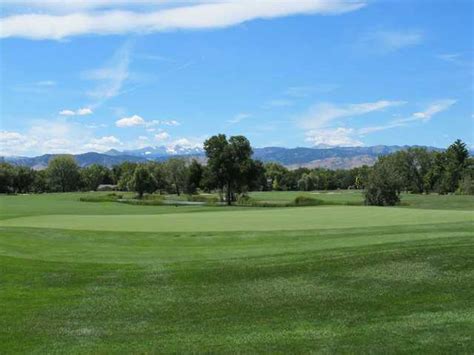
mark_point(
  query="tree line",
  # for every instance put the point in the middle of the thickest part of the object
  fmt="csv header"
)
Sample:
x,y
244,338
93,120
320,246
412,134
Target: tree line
x,y
230,170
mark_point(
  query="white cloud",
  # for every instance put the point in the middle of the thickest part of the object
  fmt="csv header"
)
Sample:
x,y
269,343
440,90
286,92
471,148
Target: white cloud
x,y
81,20
79,112
171,123
134,120
391,41
54,137
84,111
103,144
67,113
175,146
137,120
11,141
343,137
162,136
322,115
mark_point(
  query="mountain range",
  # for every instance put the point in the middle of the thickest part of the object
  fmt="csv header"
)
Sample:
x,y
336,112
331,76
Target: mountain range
x,y
327,157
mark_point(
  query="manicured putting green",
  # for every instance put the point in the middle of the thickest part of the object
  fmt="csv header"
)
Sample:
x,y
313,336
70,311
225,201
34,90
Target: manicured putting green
x,y
246,220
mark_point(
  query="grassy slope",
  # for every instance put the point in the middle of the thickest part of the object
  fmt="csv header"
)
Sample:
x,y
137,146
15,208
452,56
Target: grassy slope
x,y
365,289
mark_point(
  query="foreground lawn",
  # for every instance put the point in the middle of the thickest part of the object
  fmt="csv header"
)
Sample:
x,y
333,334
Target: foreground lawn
x,y
80,277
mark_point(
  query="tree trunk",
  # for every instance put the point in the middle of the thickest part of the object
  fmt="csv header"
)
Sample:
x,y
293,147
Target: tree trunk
x,y
229,195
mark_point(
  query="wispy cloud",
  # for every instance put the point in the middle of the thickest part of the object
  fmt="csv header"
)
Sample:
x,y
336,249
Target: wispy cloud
x,y
390,41
112,77
421,116
459,60
46,83
239,117
321,115
305,91
84,20
433,109
323,121
277,103
324,127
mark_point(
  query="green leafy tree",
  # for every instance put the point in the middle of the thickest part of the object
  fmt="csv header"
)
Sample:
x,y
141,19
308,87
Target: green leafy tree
x,y
41,182
158,170
23,179
275,174
176,174
6,177
254,172
194,177
94,175
383,186
228,161
456,159
142,181
63,173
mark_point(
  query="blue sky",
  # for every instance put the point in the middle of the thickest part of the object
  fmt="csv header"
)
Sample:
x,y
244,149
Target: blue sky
x,y
102,74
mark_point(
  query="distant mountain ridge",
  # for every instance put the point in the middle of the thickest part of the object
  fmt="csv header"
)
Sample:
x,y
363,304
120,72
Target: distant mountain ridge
x,y
330,157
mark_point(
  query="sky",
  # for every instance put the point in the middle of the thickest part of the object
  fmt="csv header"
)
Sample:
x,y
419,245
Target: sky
x,y
79,76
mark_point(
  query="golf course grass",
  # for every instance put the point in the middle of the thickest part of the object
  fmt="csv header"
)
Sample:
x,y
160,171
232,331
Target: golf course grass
x,y
80,277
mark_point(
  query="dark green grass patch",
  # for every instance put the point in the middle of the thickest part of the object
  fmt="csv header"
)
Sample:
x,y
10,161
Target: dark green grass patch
x,y
409,291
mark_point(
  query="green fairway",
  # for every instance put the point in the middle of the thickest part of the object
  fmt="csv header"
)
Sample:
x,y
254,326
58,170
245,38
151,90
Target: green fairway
x,y
81,277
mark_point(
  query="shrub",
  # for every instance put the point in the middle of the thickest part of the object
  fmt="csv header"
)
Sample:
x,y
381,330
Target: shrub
x,y
244,199
210,199
308,201
101,198
142,202
153,197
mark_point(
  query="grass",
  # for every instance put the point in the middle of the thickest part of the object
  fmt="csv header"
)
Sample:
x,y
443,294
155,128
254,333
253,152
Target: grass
x,y
246,220
354,197
339,279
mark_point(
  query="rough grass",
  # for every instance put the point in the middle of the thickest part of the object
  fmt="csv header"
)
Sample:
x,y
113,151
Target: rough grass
x,y
354,197
360,289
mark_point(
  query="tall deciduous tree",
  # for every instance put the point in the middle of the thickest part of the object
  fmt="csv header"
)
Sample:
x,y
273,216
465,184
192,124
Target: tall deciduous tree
x,y
142,181
228,161
176,173
63,173
94,175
